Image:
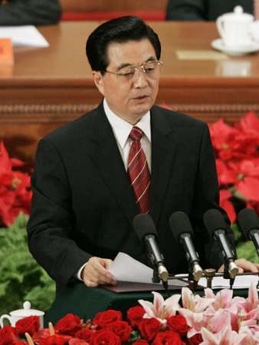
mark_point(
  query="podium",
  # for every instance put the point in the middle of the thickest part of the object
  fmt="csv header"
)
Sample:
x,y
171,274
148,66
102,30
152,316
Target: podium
x,y
86,302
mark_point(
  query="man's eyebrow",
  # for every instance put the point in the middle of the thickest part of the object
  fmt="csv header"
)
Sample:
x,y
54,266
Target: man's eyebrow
x,y
151,58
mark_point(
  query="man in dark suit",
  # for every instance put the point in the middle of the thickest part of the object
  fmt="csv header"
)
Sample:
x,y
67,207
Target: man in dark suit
x,y
203,9
29,12
84,205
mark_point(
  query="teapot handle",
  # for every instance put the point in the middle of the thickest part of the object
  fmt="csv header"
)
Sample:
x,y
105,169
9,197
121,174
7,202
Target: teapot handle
x,y
220,26
5,316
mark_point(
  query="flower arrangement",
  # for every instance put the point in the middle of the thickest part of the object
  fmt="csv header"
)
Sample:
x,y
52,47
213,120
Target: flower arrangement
x,y
237,160
15,190
214,319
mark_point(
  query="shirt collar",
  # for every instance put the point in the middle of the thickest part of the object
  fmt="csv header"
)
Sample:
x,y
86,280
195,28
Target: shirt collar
x,y
122,128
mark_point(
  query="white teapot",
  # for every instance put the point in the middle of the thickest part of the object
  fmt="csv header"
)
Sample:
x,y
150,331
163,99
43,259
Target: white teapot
x,y
235,28
18,314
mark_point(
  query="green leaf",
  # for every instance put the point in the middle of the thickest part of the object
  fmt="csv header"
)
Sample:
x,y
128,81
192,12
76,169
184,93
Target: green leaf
x,y
21,277
245,249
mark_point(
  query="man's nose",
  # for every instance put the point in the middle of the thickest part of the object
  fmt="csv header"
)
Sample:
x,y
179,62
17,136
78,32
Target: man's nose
x,y
140,77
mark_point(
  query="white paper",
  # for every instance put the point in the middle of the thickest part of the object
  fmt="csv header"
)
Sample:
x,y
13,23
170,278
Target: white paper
x,y
125,268
241,282
24,36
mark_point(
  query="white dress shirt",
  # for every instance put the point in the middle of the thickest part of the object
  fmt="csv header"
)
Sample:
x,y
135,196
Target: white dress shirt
x,y
121,130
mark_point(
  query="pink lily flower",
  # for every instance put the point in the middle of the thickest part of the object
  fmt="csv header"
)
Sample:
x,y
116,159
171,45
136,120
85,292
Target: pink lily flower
x,y
161,309
251,337
224,337
194,302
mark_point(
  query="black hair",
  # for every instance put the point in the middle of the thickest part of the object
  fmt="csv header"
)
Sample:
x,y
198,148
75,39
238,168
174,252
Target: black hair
x,y
120,30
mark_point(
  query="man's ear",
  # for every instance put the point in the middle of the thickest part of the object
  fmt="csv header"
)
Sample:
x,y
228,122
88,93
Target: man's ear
x,y
98,80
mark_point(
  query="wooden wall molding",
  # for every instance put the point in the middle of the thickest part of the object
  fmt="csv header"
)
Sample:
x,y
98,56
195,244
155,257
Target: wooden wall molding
x,y
52,112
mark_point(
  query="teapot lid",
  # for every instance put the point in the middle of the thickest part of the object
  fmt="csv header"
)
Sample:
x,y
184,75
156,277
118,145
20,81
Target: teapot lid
x,y
238,14
26,311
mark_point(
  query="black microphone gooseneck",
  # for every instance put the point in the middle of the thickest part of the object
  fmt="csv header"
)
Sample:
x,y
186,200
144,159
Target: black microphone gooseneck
x,y
146,231
217,228
182,231
248,222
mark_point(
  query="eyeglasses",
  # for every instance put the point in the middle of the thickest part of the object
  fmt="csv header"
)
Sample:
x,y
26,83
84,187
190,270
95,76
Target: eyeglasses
x,y
149,68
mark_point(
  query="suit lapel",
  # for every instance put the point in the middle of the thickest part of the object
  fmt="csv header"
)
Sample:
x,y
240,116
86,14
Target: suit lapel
x,y
110,165
163,149
107,157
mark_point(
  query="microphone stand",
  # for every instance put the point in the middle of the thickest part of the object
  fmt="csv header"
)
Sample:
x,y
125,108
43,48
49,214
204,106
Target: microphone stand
x,y
191,278
156,278
195,273
226,275
230,272
209,275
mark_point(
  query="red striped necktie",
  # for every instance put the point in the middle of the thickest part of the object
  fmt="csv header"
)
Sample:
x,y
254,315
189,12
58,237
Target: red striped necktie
x,y
138,171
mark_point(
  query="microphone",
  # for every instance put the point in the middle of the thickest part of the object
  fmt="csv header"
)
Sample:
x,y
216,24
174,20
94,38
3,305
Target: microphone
x,y
216,226
182,231
146,231
248,222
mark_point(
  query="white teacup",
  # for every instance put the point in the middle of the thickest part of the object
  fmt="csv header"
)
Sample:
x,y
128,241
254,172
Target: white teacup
x,y
19,314
235,28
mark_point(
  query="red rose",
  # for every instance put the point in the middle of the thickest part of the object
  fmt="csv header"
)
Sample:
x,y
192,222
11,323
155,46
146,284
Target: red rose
x,y
178,324
135,315
195,339
140,342
105,337
103,318
30,324
85,334
122,329
149,328
77,341
8,336
168,338
54,340
69,324
42,333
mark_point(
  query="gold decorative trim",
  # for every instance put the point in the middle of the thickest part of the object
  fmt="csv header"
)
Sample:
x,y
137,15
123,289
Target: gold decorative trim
x,y
45,113
212,108
78,108
45,108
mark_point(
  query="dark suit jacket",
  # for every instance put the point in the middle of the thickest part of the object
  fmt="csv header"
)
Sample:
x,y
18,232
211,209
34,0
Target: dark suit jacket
x,y
83,204
30,12
203,9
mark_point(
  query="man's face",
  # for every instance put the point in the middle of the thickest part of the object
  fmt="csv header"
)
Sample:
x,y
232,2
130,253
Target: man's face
x,y
129,96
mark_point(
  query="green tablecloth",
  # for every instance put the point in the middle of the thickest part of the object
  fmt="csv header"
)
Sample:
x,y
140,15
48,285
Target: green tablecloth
x,y
86,302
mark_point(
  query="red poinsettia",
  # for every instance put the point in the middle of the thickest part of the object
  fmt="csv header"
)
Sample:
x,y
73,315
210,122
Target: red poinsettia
x,y
237,160
15,190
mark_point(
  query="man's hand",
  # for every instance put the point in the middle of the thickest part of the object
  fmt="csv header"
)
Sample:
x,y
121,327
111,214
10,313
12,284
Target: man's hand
x,y
95,272
244,266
